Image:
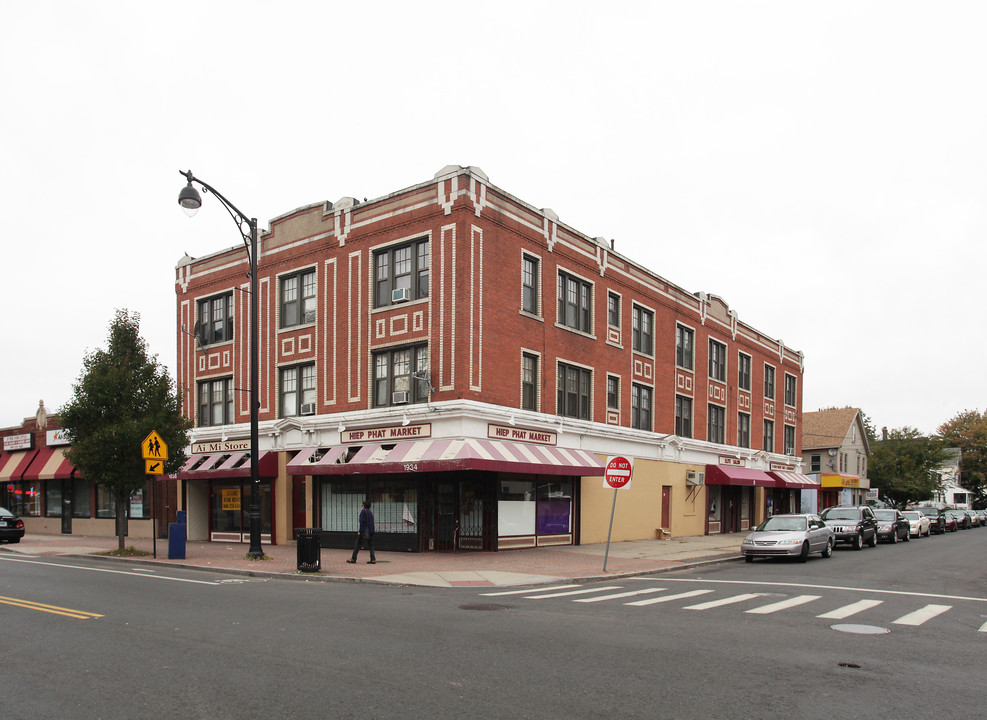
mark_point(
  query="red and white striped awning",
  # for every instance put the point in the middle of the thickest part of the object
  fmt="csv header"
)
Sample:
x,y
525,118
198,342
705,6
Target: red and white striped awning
x,y
208,466
446,455
50,464
794,480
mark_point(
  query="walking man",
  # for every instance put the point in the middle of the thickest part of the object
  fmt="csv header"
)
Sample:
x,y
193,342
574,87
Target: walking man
x,y
365,536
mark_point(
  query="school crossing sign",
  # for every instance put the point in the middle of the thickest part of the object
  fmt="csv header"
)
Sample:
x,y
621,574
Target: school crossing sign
x,y
154,450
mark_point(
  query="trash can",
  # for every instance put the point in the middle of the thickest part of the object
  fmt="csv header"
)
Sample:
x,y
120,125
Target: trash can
x,y
309,550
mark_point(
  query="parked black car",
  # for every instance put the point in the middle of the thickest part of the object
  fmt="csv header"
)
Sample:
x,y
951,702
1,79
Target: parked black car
x,y
11,527
855,525
937,518
892,526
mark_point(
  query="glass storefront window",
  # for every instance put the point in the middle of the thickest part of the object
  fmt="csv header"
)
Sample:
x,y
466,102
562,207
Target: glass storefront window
x,y
24,499
554,508
82,505
53,498
394,503
516,508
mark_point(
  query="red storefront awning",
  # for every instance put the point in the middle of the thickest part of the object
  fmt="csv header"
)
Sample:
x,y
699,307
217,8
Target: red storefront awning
x,y
446,455
13,465
50,464
794,480
745,477
209,466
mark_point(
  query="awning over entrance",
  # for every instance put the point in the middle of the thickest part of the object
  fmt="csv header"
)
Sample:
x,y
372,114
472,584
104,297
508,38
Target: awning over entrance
x,y
838,480
793,480
207,466
50,464
446,455
730,475
13,465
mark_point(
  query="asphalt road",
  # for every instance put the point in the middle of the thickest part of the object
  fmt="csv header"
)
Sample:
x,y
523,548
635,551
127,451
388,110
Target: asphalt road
x,y
90,639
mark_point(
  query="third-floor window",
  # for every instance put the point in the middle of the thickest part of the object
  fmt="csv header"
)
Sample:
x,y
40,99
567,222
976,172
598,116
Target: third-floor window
x,y
215,319
717,361
401,273
575,303
298,298
683,346
642,330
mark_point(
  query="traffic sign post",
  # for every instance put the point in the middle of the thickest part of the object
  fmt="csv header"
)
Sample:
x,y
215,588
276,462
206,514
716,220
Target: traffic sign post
x,y
617,476
154,451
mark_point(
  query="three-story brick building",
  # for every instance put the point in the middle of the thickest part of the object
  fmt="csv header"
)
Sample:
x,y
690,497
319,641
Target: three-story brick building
x,y
468,362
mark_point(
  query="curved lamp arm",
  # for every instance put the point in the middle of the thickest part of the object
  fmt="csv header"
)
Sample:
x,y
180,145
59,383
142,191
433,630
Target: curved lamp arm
x,y
238,217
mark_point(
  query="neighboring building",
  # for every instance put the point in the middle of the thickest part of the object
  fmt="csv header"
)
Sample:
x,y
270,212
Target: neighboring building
x,y
38,483
951,493
468,363
835,451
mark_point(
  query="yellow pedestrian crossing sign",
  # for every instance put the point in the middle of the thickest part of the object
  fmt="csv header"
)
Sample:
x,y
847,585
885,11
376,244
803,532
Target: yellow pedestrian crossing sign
x,y
154,467
154,448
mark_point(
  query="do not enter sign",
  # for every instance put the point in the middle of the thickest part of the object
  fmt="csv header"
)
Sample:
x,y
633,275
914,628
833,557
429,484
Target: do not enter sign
x,y
618,473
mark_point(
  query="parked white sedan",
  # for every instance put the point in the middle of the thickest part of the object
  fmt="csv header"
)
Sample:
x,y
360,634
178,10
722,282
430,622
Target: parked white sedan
x,y
789,536
918,523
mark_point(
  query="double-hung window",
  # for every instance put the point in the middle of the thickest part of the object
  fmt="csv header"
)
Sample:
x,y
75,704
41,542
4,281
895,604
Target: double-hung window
x,y
789,440
400,376
743,430
574,391
642,330
769,382
683,416
640,407
575,303
683,347
529,381
401,273
791,390
215,319
717,361
744,372
768,444
298,390
613,392
529,284
298,299
613,310
716,424
215,402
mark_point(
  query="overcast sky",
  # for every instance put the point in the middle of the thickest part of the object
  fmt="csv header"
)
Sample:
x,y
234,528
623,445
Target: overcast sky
x,y
820,166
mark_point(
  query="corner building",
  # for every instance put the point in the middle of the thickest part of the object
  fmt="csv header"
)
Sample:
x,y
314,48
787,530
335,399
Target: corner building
x,y
468,363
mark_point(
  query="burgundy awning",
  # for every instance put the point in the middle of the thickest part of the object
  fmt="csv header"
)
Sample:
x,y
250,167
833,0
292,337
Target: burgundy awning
x,y
730,475
13,465
50,464
794,480
208,466
446,455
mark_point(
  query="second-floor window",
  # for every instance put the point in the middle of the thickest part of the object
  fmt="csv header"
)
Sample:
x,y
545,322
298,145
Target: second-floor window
x,y
298,298
815,463
716,424
401,273
642,330
791,388
683,347
613,309
216,402
298,390
399,376
575,303
768,444
743,430
717,361
640,407
769,382
529,382
216,319
575,385
744,372
613,392
789,440
529,284
683,416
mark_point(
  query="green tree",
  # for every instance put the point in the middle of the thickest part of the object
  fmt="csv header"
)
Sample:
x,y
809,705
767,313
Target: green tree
x,y
120,397
968,432
904,466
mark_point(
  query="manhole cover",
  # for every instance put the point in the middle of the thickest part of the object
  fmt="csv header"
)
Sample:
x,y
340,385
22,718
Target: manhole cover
x,y
861,629
484,606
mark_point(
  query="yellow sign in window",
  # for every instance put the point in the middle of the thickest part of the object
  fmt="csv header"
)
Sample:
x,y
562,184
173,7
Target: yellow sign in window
x,y
231,498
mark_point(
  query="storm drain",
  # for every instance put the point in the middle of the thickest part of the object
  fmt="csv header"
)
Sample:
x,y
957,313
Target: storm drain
x,y
484,606
861,629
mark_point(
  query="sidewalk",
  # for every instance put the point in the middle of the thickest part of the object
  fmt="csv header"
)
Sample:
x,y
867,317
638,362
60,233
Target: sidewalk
x,y
462,569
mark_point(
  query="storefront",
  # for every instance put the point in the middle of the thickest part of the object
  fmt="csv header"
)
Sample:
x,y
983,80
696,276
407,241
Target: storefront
x,y
447,494
838,489
217,495
730,497
793,493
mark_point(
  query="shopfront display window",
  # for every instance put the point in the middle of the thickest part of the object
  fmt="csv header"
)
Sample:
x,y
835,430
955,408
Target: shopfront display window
x,y
530,507
230,516
24,499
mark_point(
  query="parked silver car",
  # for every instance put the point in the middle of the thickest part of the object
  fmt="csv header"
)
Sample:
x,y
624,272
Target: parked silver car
x,y
789,536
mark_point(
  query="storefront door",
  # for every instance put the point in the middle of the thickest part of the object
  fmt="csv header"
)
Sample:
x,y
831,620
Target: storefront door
x,y
229,517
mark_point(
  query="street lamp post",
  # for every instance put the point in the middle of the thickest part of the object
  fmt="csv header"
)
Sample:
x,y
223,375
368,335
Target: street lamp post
x,y
191,201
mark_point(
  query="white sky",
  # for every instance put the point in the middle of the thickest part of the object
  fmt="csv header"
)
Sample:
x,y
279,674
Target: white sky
x,y
822,166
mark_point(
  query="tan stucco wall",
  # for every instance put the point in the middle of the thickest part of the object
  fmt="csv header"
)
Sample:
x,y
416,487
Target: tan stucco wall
x,y
637,514
93,527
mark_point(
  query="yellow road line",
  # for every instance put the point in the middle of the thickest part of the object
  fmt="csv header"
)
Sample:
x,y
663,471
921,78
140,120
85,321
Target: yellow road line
x,y
53,609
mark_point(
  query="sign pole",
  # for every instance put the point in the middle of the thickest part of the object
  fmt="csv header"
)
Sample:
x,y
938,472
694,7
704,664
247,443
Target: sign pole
x,y
617,475
613,507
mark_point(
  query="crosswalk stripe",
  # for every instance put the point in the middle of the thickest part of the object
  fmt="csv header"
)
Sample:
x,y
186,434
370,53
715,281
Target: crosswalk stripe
x,y
784,604
527,590
983,628
724,601
668,598
571,592
851,609
920,616
617,596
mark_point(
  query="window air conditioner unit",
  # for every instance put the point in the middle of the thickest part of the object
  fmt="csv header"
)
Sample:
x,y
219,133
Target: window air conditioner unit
x,y
400,295
399,398
310,316
695,478
307,409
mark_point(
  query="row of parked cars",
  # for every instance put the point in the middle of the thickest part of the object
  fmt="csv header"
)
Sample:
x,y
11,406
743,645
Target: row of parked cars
x,y
803,534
